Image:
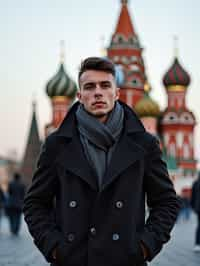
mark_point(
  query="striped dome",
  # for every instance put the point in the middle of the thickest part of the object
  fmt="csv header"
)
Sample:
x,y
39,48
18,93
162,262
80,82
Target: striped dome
x,y
61,85
176,75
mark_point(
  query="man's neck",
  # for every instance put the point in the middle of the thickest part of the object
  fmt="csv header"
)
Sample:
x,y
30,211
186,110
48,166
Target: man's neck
x,y
103,119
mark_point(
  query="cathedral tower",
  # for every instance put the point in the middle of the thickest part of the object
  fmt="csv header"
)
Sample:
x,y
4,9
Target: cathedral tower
x,y
178,122
61,90
126,52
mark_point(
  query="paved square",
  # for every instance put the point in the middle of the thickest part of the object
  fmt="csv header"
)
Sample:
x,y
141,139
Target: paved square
x,y
20,251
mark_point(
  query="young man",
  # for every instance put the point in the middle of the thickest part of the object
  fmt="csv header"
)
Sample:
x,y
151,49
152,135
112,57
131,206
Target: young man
x,y
86,204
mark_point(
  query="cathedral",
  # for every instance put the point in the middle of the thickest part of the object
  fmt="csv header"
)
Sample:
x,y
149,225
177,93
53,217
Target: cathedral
x,y
173,126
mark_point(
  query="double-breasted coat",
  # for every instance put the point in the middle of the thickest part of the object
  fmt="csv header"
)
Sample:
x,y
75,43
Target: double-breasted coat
x,y
64,207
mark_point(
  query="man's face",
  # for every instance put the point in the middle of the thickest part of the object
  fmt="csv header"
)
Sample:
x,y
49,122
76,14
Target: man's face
x,y
98,93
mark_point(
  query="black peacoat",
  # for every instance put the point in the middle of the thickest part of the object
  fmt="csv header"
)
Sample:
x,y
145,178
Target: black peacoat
x,y
90,227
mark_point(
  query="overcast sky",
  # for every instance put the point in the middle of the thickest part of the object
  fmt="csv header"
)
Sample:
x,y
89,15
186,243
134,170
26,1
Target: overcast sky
x,y
30,34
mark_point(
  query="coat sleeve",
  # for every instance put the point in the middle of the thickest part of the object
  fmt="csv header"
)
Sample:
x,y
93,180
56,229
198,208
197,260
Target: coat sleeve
x,y
38,204
162,201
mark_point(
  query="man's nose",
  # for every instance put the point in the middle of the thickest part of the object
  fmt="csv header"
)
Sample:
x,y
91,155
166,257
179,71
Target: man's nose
x,y
98,90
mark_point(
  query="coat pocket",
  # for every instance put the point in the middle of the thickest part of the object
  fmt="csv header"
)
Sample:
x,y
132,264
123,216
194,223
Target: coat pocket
x,y
139,256
61,254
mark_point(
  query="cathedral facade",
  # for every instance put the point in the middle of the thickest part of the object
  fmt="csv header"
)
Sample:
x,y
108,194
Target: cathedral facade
x,y
173,126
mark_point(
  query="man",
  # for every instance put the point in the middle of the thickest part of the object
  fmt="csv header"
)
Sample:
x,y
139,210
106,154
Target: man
x,y
16,192
1,203
86,205
195,203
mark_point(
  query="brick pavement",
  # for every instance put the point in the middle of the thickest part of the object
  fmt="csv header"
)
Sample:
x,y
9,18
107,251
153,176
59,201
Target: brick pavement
x,y
20,251
179,251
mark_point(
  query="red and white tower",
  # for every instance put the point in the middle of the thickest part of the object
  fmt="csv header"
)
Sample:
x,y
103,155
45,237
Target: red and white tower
x,y
178,122
125,51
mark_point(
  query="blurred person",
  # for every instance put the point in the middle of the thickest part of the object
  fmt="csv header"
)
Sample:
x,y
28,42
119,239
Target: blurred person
x,y
185,211
16,192
86,203
1,204
195,203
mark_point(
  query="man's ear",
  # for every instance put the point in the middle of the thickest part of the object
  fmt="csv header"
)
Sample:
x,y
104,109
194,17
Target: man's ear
x,y
79,96
117,93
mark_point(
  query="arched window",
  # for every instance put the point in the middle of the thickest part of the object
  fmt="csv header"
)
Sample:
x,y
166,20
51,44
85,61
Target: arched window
x,y
134,58
119,39
186,118
171,118
136,82
125,59
135,68
131,40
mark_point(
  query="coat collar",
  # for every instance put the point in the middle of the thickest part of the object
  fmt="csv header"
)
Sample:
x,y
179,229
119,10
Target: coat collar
x,y
125,154
68,126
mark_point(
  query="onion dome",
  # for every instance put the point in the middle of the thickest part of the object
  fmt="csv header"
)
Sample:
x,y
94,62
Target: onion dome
x,y
147,107
61,85
176,75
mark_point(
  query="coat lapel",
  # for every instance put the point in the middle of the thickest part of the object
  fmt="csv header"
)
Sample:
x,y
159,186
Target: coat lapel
x,y
126,153
74,160
73,157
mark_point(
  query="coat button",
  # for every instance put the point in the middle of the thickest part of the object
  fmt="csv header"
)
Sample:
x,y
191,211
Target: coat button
x,y
115,237
70,237
93,231
72,204
119,204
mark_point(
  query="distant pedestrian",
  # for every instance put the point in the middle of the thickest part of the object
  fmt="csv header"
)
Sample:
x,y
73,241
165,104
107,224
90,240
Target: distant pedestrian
x,y
1,204
185,211
16,191
195,202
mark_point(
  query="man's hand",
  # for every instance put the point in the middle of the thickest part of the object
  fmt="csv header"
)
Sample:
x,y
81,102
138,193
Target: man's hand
x,y
144,250
54,253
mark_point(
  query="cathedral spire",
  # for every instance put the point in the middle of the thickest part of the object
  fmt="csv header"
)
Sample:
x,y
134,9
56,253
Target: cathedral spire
x,y
124,25
62,51
124,2
32,148
103,47
176,52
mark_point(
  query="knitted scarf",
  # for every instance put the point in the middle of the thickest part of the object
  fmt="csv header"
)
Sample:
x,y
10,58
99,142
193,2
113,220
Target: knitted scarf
x,y
99,139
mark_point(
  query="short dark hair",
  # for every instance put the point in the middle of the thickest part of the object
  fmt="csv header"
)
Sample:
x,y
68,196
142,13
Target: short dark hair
x,y
96,63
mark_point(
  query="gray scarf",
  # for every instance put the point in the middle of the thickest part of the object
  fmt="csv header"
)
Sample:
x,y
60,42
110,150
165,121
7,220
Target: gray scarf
x,y
99,139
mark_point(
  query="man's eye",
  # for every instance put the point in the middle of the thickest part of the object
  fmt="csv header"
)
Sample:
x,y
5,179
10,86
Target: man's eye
x,y
89,87
105,85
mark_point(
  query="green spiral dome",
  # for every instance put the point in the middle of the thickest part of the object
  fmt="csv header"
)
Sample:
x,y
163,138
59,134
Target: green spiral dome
x,y
61,85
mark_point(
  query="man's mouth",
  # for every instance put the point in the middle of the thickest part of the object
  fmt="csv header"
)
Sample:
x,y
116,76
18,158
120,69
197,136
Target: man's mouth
x,y
98,103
